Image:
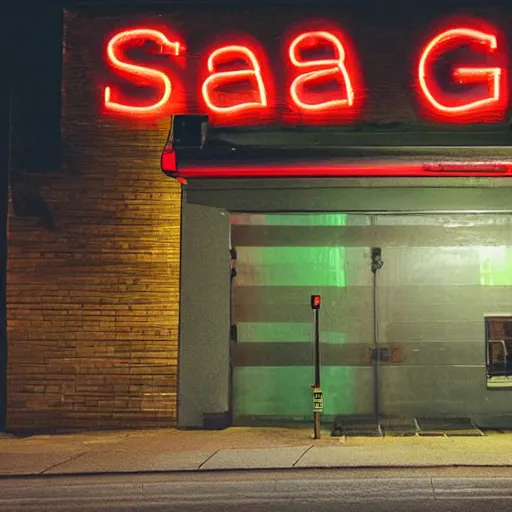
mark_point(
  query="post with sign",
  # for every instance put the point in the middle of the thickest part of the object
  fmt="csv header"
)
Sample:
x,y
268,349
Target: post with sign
x,y
318,397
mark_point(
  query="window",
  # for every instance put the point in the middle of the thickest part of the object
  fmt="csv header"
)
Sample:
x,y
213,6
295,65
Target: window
x,y
498,335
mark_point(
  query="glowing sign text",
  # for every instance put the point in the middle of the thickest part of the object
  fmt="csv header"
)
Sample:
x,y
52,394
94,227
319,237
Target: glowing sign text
x,y
456,104
140,74
231,81
329,68
220,78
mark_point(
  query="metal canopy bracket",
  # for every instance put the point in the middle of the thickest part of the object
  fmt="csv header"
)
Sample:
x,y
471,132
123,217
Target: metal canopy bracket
x,y
187,134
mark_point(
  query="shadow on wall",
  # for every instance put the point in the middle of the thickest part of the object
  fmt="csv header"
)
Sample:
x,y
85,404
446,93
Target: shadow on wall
x,y
27,202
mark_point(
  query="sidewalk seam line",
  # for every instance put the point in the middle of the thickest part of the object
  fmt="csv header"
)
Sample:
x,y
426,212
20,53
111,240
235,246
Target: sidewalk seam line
x,y
433,490
297,461
204,462
74,457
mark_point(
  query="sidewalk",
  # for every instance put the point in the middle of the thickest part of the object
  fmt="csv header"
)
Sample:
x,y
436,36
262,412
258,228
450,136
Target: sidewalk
x,y
239,448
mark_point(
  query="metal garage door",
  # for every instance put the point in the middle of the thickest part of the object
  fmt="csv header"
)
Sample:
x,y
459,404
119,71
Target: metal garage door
x,y
441,275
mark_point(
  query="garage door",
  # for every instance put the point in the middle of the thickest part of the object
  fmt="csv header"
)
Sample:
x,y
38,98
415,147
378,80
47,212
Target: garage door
x,y
424,311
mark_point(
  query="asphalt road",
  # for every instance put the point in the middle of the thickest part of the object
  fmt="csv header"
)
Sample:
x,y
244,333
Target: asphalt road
x,y
297,491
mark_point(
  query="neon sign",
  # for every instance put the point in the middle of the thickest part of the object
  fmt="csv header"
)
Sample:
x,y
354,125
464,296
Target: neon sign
x,y
328,68
326,169
455,106
216,79
140,74
322,79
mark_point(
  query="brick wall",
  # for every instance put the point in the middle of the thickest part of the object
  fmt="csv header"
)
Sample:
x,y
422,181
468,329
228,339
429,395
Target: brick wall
x,y
93,271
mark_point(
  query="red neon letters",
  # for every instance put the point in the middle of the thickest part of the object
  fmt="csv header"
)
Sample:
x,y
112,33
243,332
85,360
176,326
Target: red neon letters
x,y
457,105
233,82
140,74
219,78
325,68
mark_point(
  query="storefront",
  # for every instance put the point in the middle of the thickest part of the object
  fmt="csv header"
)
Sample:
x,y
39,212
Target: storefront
x,y
334,139
437,311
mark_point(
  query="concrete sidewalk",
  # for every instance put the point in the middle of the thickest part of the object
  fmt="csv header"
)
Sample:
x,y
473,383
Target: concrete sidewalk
x,y
239,448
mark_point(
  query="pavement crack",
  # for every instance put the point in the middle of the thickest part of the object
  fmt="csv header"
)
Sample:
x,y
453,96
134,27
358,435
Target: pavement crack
x,y
433,490
297,461
73,457
205,461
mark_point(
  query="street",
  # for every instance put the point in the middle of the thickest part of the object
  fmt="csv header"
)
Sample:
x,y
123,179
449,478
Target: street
x,y
295,490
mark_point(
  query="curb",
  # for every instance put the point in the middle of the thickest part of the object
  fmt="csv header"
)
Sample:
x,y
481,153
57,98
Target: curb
x,y
401,467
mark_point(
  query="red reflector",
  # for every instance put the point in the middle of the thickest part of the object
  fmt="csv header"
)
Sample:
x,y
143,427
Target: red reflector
x,y
168,160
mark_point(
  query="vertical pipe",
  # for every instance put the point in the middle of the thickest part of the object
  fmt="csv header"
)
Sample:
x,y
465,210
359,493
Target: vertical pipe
x,y
376,264
375,353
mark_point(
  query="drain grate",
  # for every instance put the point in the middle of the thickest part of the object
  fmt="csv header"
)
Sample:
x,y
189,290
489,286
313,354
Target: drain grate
x,y
399,427
450,427
365,426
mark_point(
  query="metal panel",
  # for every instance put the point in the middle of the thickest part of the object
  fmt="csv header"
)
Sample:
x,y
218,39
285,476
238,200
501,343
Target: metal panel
x,y
442,274
353,195
273,355
357,236
204,315
284,393
432,301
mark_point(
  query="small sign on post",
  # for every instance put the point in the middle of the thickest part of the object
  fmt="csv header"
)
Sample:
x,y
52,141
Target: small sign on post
x,y
318,400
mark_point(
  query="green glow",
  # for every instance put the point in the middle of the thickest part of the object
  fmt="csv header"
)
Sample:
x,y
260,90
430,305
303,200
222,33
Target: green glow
x,y
273,391
320,219
495,266
286,391
279,332
339,390
293,266
330,219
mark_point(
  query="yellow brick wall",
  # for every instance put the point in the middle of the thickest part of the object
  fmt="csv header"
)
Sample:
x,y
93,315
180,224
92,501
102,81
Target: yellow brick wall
x,y
93,303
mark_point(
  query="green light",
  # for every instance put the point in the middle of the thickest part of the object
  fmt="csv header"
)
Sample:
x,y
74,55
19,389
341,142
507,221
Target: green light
x,y
293,266
330,219
285,391
279,332
338,388
495,266
273,391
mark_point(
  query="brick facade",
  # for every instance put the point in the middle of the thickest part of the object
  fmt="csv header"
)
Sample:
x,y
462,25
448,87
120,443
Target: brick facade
x,y
93,275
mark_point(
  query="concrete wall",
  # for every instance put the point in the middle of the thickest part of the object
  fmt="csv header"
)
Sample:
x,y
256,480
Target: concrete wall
x,y
204,314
